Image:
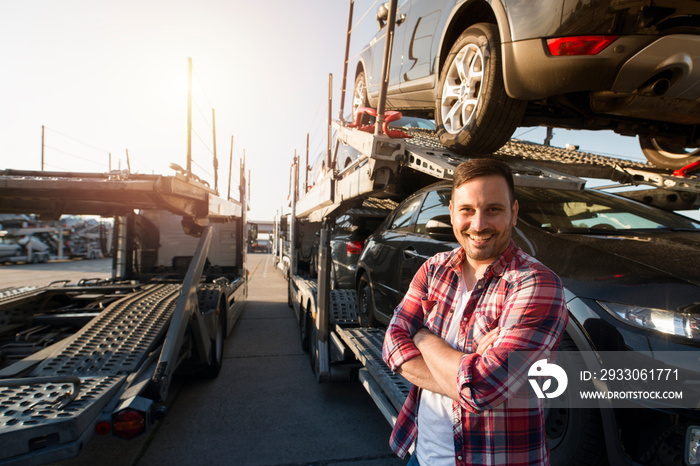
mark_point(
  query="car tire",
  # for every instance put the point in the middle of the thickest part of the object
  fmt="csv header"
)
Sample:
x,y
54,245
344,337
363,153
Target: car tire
x,y
360,98
476,116
365,303
575,435
665,155
333,282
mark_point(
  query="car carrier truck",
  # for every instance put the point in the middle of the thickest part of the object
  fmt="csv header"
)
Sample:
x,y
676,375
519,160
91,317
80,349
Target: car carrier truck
x,y
98,356
340,348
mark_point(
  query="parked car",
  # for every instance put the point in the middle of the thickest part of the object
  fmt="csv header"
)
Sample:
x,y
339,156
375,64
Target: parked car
x,y
483,68
632,275
9,248
348,234
261,245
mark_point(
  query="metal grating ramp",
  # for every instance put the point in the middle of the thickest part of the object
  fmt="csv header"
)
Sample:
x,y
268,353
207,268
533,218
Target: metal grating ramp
x,y
29,417
116,341
343,306
39,413
366,343
11,297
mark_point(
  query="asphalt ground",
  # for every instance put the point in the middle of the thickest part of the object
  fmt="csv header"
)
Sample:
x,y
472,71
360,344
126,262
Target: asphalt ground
x,y
265,407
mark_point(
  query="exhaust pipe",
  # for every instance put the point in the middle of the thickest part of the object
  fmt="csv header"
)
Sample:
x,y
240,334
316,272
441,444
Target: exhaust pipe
x,y
660,86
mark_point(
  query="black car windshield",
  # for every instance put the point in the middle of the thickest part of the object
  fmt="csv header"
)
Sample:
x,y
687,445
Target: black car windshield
x,y
594,212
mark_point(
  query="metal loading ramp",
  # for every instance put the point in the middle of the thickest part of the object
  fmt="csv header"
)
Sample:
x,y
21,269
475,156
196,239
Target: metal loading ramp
x,y
31,414
10,297
118,339
389,390
78,379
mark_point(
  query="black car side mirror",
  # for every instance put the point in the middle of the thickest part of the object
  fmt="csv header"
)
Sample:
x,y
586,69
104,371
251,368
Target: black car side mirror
x,y
440,228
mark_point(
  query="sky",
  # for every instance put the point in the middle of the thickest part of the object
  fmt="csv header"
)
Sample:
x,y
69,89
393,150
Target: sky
x,y
106,78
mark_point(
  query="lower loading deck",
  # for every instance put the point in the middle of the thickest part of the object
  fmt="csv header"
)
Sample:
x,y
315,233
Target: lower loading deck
x,y
387,389
57,401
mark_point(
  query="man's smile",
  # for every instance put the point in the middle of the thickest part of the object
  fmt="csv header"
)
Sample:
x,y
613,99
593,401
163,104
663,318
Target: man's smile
x,y
479,237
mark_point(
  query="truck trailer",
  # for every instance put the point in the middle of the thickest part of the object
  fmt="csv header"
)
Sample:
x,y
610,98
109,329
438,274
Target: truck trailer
x,y
98,356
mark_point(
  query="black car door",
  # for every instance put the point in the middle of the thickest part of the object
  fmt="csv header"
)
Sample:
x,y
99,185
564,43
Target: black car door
x,y
386,254
418,245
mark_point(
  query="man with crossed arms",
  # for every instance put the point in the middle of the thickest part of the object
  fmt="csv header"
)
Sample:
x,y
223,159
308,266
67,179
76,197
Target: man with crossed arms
x,y
465,312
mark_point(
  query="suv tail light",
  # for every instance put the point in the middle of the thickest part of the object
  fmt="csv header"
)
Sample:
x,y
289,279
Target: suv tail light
x,y
354,247
579,45
128,424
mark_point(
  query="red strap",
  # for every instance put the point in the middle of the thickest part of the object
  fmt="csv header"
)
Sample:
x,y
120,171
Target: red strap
x,y
389,116
685,171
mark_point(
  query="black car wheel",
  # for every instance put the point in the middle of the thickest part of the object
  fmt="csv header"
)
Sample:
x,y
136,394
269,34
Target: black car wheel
x,y
473,112
365,303
359,98
666,155
574,435
334,283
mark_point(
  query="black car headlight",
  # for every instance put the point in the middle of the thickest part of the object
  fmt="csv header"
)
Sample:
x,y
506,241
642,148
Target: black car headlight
x,y
660,320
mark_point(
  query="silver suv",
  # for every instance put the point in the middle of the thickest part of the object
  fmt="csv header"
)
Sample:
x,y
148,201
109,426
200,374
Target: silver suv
x,y
483,68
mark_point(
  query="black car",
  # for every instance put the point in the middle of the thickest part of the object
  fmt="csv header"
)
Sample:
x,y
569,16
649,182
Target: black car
x,y
632,279
347,237
482,68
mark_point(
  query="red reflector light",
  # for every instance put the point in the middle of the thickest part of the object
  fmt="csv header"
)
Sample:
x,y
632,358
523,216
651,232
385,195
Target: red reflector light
x,y
103,428
354,247
579,45
128,424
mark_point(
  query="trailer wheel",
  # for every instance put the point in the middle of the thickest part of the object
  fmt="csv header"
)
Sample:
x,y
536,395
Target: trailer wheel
x,y
305,329
313,349
365,303
574,435
216,358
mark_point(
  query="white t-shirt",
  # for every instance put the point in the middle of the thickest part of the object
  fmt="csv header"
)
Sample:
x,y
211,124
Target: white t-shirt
x,y
435,444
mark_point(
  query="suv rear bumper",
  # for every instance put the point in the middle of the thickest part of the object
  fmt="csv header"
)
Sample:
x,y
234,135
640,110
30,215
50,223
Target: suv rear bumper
x,y
628,65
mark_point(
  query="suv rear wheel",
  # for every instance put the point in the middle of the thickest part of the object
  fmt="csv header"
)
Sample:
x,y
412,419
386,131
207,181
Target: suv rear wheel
x,y
666,155
473,113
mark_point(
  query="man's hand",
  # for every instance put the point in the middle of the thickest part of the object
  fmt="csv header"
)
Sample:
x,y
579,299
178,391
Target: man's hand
x,y
441,360
487,341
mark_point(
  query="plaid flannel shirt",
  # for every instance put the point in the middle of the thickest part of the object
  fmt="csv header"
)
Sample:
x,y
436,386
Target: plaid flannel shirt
x,y
526,301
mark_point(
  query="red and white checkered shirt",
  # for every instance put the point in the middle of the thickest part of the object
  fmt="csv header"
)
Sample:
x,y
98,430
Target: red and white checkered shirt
x,y
526,301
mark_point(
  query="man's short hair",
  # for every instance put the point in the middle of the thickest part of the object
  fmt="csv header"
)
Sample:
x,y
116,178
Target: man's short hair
x,y
477,168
